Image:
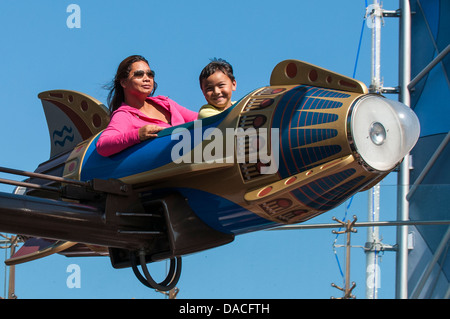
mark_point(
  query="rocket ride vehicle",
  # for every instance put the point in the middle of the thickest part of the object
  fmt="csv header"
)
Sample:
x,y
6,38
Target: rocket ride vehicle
x,y
283,154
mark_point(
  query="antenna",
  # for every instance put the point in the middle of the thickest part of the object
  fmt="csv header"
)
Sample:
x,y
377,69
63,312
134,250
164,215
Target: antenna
x,y
349,228
10,243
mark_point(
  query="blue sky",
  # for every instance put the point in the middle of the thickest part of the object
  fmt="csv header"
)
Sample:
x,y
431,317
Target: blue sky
x,y
40,52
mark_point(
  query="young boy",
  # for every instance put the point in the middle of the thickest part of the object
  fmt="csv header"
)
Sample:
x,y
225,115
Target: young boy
x,y
217,83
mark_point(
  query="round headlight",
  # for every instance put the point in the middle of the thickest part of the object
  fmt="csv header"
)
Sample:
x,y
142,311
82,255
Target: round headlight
x,y
382,131
377,133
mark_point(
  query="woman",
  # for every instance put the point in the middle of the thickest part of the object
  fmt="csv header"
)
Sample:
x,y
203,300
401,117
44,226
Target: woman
x,y
135,114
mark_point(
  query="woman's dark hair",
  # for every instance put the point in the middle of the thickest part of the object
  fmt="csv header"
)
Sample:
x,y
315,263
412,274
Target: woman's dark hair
x,y
213,66
116,95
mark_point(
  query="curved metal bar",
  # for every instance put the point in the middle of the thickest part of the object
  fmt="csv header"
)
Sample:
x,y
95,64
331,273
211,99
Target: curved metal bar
x,y
167,284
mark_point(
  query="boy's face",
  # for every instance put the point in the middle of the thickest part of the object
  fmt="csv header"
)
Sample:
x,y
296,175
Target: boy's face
x,y
217,89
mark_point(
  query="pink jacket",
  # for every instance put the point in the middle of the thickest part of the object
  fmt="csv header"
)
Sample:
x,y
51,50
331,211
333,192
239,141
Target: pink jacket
x,y
122,131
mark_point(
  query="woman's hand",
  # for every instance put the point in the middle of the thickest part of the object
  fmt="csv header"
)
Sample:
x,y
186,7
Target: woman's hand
x,y
149,131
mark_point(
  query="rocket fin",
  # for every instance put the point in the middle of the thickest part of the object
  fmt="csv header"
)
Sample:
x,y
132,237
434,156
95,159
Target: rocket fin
x,y
35,248
298,180
72,117
292,72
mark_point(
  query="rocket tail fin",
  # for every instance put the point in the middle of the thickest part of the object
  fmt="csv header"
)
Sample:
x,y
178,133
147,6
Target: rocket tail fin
x,y
295,72
72,117
35,248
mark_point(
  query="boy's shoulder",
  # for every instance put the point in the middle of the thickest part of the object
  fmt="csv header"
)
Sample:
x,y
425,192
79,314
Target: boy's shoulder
x,y
207,110
208,106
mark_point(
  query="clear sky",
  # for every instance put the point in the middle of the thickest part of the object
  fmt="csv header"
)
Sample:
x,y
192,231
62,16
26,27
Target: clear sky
x,y
40,51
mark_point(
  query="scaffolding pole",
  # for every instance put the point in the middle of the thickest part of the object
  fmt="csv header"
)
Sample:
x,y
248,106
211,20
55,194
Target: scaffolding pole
x,y
375,14
401,284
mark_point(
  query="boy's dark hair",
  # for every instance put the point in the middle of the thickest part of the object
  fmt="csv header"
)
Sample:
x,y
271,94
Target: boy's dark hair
x,y
213,66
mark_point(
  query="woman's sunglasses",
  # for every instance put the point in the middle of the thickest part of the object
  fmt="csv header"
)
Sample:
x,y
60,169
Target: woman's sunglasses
x,y
140,74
